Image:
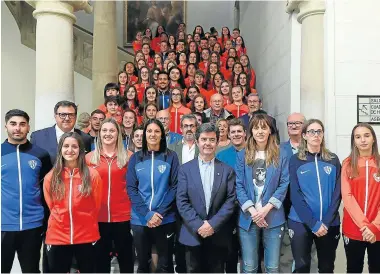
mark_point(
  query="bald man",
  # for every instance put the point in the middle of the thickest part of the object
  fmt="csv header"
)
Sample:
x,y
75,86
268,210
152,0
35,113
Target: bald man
x,y
164,117
216,110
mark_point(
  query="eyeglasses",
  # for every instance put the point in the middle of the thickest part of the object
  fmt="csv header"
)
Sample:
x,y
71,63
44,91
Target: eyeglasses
x,y
64,115
296,124
313,132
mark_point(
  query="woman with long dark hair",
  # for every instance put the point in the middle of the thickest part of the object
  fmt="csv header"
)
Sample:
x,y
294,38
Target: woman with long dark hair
x,y
262,181
244,60
122,78
131,70
315,197
152,183
176,79
145,80
73,194
110,159
361,199
127,126
190,74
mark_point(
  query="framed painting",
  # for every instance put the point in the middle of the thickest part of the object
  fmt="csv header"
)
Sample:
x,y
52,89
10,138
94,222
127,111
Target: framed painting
x,y
139,15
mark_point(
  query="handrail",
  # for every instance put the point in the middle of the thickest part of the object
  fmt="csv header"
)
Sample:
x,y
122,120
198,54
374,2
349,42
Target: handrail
x,y
90,33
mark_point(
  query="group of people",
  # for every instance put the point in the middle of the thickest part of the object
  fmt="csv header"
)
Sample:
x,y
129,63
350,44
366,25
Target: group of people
x,y
149,176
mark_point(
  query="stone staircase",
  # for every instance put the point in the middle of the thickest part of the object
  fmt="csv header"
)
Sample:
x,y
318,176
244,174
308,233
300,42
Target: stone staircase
x,y
83,39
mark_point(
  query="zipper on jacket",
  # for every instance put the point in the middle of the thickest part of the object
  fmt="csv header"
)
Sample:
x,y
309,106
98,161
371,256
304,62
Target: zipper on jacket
x,y
366,188
19,182
151,182
109,189
176,114
319,187
70,208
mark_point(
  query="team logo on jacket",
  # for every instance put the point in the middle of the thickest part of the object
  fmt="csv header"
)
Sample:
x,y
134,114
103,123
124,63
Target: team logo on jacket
x,y
377,178
161,168
327,169
32,164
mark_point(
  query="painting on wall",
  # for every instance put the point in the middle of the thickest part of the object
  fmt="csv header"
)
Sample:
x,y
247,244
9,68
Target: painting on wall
x,y
139,15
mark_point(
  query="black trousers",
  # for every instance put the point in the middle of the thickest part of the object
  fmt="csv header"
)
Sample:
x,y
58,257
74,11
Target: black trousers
x,y
163,236
206,258
27,244
120,234
179,249
60,257
301,241
355,251
233,253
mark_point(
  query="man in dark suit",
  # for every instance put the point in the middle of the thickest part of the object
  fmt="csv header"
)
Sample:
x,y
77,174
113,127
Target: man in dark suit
x,y
65,114
206,202
186,148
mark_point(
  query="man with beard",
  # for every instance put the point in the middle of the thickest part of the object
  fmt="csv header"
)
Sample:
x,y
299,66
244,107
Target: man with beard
x,y
96,119
186,150
23,210
237,135
163,90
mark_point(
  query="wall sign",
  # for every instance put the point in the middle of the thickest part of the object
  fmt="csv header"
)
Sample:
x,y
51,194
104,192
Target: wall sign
x,y
368,110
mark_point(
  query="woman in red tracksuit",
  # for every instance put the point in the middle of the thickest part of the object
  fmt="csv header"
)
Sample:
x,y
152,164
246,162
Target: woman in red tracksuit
x,y
110,159
177,109
72,192
361,198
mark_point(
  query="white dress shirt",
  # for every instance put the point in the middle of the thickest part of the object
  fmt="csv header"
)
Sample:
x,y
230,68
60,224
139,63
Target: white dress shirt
x,y
59,133
188,153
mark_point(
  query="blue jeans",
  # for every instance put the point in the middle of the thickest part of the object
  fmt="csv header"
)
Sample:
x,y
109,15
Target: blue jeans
x,y
272,240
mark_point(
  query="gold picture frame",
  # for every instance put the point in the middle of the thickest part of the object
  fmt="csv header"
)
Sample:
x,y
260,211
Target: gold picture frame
x,y
139,15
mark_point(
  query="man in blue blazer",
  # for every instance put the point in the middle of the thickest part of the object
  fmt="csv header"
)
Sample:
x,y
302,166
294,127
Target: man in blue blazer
x,y
65,114
206,202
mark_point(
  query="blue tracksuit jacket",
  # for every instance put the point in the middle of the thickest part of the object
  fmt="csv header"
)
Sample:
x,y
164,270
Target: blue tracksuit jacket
x,y
152,186
23,168
315,190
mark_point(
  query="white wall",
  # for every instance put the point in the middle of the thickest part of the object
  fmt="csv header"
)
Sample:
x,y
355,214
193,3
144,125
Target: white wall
x,y
353,65
267,32
18,66
210,14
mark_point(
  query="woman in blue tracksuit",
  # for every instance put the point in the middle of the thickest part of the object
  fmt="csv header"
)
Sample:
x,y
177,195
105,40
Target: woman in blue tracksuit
x,y
152,184
315,197
262,181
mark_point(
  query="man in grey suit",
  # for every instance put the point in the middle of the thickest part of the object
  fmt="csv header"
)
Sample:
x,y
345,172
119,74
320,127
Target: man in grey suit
x,y
186,148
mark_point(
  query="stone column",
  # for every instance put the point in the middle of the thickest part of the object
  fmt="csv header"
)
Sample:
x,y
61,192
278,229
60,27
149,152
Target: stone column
x,y
104,63
54,55
311,16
